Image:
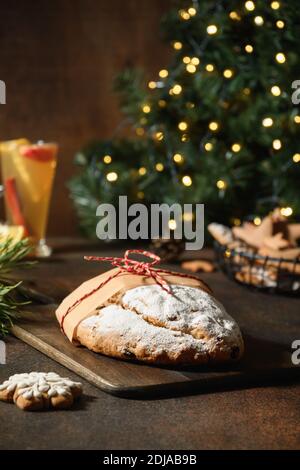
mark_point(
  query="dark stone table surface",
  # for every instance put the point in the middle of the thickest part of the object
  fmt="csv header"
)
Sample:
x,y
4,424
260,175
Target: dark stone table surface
x,y
254,418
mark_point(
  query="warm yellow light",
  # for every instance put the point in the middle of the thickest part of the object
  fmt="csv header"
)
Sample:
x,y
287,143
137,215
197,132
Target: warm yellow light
x,y
186,59
107,159
280,24
275,5
184,14
237,222
172,224
250,6
257,221
214,126
112,176
183,126
143,121
188,216
236,148
140,195
184,138
190,105
258,20
162,103
195,61
249,48
277,144
210,67
280,57
177,45
234,16
159,167
286,211
187,180
267,122
152,85
296,158
159,135
178,158
297,119
247,91
177,89
192,11
163,73
275,90
140,131
146,108
208,146
211,29
221,184
142,171
228,73
191,68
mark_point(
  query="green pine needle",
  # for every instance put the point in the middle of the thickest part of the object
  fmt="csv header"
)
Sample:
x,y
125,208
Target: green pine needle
x,y
11,256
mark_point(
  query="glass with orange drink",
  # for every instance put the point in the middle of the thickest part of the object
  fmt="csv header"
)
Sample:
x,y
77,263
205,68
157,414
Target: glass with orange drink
x,y
27,173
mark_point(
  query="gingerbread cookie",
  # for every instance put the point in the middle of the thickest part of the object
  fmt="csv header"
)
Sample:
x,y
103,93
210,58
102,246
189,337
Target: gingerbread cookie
x,y
221,233
252,235
287,259
274,232
148,324
258,276
198,265
40,391
291,253
276,242
294,233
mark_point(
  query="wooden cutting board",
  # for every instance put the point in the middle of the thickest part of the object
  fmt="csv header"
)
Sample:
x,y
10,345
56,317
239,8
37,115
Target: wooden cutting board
x,y
264,362
269,324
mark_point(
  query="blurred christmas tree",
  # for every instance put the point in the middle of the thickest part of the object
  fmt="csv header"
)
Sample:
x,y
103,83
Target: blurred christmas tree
x,y
217,126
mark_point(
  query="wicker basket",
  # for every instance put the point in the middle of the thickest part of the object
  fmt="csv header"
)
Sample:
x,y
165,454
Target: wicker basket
x,y
245,266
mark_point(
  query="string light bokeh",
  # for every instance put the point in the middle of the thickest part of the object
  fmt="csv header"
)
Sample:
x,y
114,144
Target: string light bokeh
x,y
184,124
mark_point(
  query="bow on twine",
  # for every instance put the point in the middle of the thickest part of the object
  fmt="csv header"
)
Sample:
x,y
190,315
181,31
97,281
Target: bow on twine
x,y
132,266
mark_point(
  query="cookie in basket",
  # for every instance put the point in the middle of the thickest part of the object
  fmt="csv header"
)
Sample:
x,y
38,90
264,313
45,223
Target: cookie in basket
x,y
258,276
288,259
150,315
221,233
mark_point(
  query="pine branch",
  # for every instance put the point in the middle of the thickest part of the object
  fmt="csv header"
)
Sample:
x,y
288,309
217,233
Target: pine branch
x,y
11,256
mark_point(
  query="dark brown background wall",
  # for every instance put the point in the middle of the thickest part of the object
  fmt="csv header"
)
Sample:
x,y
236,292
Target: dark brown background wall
x,y
58,59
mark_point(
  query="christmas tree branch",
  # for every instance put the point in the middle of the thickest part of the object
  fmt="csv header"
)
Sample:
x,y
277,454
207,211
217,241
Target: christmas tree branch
x,y
12,255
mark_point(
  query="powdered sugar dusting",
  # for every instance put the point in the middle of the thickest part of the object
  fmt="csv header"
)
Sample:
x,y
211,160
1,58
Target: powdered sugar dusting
x,y
151,323
187,309
134,330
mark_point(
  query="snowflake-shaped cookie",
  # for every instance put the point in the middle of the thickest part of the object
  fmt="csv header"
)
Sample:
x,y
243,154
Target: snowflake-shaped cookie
x,y
40,390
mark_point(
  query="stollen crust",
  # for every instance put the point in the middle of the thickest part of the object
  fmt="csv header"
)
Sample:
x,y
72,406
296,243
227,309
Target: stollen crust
x,y
148,324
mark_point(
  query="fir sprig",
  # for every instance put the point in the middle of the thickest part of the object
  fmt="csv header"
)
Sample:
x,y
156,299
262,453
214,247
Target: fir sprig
x,y
12,255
